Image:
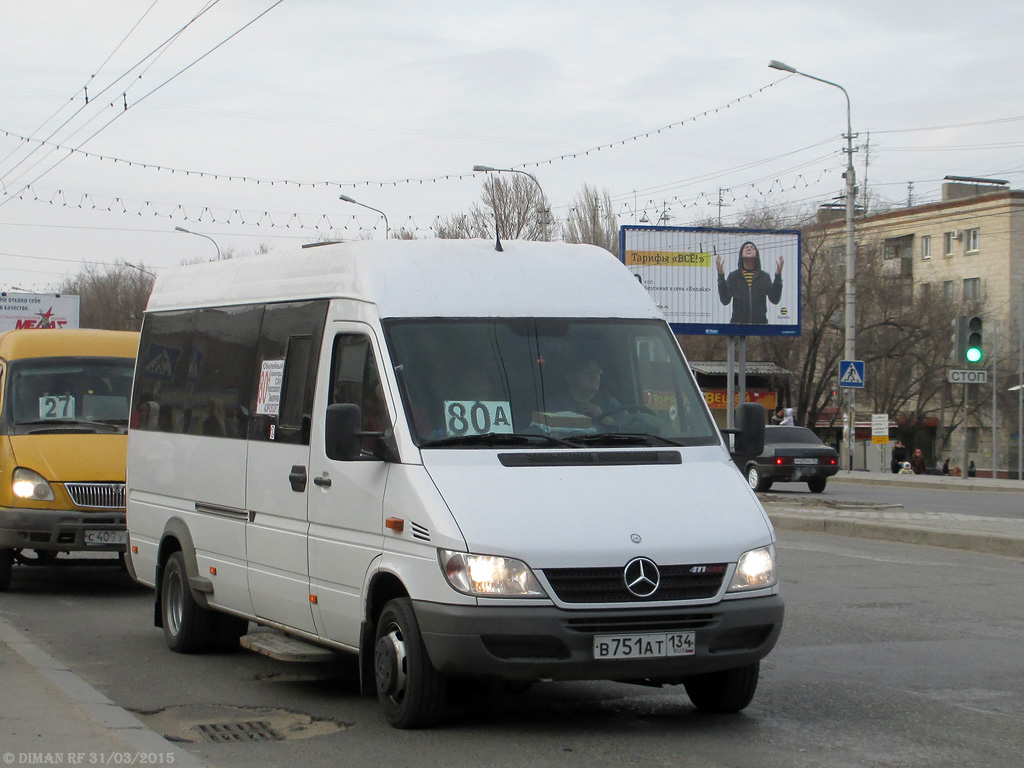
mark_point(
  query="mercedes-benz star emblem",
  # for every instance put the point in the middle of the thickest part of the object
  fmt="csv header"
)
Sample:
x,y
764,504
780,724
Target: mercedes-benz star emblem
x,y
641,576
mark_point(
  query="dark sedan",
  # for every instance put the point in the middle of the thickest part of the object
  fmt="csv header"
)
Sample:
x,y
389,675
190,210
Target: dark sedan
x,y
790,455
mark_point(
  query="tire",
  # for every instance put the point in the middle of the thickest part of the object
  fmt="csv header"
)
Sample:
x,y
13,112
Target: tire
x,y
755,479
723,692
817,484
188,627
411,692
6,566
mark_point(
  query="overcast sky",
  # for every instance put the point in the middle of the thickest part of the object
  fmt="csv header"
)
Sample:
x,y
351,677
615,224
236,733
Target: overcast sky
x,y
392,103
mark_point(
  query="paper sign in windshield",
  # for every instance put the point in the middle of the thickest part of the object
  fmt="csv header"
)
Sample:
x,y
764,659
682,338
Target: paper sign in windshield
x,y
477,417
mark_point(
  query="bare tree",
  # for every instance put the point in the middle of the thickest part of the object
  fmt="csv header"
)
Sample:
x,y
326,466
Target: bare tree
x,y
112,297
592,221
512,207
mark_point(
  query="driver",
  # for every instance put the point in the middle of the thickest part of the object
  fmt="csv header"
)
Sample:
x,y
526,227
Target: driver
x,y
582,393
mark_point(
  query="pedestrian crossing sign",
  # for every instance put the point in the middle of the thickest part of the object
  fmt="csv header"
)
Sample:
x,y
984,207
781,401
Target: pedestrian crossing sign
x,y
851,373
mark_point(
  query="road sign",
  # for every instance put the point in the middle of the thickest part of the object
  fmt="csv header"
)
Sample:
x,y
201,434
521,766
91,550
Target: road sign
x,y
880,428
967,377
851,373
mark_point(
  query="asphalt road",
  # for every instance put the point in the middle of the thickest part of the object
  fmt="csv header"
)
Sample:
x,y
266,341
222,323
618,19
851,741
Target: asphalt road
x,y
945,500
892,655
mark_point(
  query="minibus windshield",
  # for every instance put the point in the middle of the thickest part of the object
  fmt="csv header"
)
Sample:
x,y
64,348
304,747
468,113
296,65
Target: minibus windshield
x,y
88,394
546,382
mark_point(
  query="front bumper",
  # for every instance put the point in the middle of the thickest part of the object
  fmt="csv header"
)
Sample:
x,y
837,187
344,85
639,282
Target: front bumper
x,y
545,642
58,530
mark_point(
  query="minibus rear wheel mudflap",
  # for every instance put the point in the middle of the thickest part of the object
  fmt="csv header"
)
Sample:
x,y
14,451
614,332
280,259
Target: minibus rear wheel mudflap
x,y
411,691
188,626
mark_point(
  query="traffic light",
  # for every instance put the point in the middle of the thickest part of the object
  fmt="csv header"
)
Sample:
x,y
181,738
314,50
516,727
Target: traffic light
x,y
973,352
958,338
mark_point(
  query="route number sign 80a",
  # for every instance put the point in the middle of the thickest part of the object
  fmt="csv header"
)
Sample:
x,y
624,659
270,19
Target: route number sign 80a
x,y
477,417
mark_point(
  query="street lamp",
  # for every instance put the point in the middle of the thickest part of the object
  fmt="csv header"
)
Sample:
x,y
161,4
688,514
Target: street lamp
x,y
851,254
543,212
198,234
387,229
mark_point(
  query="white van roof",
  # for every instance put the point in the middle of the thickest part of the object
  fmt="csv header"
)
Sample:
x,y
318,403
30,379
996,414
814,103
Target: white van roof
x,y
421,278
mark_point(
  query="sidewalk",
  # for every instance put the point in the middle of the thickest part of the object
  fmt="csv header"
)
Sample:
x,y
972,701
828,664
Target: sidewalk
x,y
49,715
818,514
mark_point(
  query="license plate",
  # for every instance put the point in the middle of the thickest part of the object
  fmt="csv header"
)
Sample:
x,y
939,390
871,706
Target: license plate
x,y
644,646
106,537
805,461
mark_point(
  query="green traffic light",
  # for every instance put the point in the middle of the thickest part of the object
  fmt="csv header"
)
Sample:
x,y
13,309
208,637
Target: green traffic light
x,y
973,355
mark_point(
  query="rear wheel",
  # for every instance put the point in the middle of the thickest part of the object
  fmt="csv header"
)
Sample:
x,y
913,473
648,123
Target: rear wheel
x,y
410,690
817,484
6,566
188,627
727,691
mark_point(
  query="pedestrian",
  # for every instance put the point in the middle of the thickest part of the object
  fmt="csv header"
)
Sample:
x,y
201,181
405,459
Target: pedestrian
x,y
918,462
972,471
779,415
788,420
899,455
945,466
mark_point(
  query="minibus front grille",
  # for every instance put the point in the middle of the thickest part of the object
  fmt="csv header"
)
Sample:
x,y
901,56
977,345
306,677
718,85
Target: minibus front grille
x,y
608,585
97,495
588,458
647,622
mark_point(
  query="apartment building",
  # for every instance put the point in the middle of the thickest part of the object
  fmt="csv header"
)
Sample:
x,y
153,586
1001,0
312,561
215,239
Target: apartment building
x,y
967,248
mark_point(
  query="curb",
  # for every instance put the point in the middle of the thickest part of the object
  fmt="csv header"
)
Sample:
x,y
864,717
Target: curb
x,y
986,543
119,727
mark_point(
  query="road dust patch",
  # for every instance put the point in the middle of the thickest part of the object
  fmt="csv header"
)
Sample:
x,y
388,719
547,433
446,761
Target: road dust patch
x,y
204,723
816,502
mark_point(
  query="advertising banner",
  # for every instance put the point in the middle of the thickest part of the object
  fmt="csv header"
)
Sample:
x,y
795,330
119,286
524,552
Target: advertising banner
x,y
736,282
38,310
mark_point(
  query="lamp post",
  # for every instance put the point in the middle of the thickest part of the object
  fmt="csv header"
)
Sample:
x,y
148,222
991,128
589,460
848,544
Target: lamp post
x,y
543,212
849,351
387,229
197,234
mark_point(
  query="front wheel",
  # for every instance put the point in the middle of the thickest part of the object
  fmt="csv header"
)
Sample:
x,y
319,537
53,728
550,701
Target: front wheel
x,y
410,690
756,480
6,566
723,692
188,627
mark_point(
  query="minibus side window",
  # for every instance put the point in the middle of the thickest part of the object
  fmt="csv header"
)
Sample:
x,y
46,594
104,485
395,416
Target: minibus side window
x,y
194,373
287,355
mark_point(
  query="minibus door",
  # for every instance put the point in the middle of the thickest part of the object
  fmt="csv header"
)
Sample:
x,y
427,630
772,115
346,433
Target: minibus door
x,y
347,498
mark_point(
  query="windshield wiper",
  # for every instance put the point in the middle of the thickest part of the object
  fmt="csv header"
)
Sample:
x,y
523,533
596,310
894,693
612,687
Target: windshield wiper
x,y
619,438
106,424
496,438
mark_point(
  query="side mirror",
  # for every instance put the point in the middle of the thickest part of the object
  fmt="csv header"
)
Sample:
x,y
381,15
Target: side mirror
x,y
344,436
748,436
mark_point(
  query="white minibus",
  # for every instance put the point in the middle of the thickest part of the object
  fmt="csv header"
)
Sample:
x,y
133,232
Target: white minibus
x,y
454,461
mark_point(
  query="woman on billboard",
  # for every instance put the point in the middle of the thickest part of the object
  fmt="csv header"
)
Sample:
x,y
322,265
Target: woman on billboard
x,y
748,287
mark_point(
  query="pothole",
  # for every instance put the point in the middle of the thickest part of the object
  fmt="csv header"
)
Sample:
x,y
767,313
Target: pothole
x,y
220,724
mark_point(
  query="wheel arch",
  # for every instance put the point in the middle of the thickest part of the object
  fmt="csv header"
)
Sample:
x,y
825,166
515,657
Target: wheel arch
x,y
176,538
382,587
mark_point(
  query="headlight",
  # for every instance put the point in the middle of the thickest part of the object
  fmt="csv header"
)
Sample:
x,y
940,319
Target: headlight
x,y
754,570
488,575
28,484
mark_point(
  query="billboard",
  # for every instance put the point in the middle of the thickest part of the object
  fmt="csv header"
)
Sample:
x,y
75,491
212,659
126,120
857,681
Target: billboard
x,y
38,310
705,280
